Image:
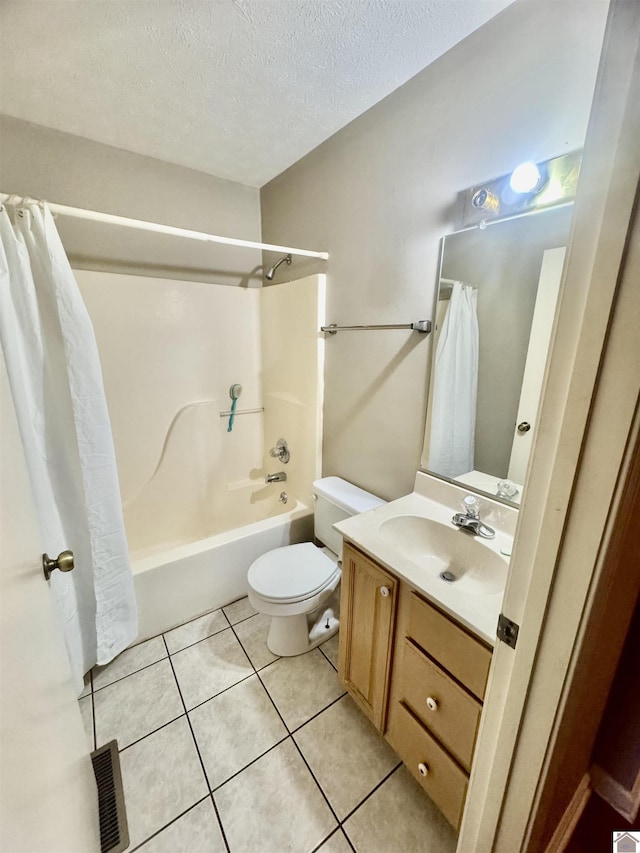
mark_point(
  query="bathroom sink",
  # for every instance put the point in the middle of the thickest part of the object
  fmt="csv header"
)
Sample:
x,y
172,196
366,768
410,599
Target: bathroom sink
x,y
468,564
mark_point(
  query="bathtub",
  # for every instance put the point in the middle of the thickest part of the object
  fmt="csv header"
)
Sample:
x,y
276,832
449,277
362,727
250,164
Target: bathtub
x,y
182,582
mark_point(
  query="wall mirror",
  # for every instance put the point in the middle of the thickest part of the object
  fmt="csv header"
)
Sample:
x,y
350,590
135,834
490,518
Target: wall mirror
x,y
495,305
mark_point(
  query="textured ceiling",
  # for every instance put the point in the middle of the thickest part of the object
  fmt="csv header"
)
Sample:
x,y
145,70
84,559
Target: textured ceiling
x,y
240,89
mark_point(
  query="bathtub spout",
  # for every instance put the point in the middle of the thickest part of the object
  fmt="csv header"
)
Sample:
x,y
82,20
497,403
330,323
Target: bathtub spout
x,y
280,477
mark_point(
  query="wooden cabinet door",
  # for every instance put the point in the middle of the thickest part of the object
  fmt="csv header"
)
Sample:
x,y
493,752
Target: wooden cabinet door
x,y
367,616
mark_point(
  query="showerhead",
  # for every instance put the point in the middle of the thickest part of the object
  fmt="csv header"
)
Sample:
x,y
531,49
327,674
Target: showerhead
x,y
270,274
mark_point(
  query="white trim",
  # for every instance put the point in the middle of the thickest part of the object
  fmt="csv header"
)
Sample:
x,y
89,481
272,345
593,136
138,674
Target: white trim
x,y
143,225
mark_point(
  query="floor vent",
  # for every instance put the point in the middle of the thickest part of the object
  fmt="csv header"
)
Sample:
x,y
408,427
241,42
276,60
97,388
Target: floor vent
x,y
114,833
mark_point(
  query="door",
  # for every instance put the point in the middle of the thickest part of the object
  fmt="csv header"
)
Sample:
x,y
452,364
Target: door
x,y
539,340
48,799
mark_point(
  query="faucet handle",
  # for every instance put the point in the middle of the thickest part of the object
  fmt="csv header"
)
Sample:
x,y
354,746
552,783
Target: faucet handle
x,y
471,506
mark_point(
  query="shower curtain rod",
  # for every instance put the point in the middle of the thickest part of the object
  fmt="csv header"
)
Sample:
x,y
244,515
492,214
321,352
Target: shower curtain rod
x,y
142,225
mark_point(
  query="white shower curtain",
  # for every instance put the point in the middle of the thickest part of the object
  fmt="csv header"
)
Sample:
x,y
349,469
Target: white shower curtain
x,y
56,384
455,386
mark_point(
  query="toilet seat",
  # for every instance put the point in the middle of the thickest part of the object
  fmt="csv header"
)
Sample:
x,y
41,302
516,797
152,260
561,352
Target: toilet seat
x,y
292,573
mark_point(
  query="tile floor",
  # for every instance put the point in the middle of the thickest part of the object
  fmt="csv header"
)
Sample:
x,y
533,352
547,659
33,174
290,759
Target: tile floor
x,y
225,747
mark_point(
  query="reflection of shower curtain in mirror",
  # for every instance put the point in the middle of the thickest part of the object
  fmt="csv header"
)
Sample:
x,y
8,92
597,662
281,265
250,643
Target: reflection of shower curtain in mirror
x,y
455,386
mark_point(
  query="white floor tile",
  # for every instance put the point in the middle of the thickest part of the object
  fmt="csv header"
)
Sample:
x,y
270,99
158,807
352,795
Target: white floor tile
x,y
239,610
128,661
234,728
198,831
162,777
210,666
274,805
346,755
252,633
301,686
197,629
398,818
137,704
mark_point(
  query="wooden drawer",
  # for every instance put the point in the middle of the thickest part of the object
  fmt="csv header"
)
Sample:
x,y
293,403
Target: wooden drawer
x,y
458,652
444,782
452,714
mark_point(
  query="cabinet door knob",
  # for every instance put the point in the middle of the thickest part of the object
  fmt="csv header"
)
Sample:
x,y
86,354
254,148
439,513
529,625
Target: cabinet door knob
x,y
432,703
423,769
385,592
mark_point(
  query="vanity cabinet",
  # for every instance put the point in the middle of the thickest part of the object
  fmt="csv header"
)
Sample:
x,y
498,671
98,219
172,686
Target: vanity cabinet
x,y
367,616
416,673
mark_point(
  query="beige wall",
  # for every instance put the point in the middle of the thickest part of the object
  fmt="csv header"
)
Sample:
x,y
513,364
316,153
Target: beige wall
x,y
67,169
380,193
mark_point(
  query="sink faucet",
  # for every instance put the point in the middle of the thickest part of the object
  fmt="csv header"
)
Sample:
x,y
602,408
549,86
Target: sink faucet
x,y
280,477
469,520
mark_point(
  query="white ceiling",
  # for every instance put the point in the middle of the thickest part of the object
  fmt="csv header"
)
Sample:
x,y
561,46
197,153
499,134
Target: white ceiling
x,y
240,89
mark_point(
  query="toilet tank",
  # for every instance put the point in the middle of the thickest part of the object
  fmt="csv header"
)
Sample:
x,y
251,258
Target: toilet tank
x,y
335,500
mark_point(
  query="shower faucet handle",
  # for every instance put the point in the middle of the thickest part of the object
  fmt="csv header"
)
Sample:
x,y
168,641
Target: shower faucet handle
x,y
281,451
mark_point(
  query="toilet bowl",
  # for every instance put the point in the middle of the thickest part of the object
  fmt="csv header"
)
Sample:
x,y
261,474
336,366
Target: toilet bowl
x,y
298,585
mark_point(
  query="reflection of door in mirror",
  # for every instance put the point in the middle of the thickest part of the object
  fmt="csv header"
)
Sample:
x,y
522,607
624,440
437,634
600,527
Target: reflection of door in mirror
x,y
503,262
539,340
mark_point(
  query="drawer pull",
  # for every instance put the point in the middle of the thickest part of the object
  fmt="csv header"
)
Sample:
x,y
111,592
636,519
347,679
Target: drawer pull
x,y
432,703
423,769
385,591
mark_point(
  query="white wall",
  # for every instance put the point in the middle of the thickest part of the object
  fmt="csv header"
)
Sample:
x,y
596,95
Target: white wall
x,y
380,193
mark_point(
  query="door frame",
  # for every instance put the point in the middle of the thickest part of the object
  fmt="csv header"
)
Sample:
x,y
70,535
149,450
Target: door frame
x,y
578,463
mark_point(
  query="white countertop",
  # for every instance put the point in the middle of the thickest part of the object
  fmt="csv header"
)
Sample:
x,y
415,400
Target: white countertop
x,y
438,501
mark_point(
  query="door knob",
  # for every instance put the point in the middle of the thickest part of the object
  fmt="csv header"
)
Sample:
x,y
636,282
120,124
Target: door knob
x,y
423,769
524,426
64,562
385,591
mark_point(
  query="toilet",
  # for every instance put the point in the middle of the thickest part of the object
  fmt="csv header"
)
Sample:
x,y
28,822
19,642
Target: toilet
x,y
297,585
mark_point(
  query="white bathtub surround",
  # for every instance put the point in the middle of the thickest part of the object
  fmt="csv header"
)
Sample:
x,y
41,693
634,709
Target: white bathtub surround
x,y
268,766
170,352
56,383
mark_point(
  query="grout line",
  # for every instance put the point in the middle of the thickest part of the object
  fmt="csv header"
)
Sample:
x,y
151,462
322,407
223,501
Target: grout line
x,y
122,678
349,842
327,838
163,726
195,643
93,712
344,832
332,810
253,761
326,708
195,742
371,793
327,657
162,829
226,689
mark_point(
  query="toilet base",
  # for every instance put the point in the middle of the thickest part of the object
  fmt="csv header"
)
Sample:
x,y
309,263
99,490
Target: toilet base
x,y
289,635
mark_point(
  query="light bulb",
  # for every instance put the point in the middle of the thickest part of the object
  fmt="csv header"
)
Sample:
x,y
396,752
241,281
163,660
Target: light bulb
x,y
525,178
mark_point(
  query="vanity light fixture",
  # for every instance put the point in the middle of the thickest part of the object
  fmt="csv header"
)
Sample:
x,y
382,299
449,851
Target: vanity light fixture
x,y
530,186
525,178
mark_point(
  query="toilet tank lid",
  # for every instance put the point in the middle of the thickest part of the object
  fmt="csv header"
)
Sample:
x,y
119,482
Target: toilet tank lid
x,y
345,495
